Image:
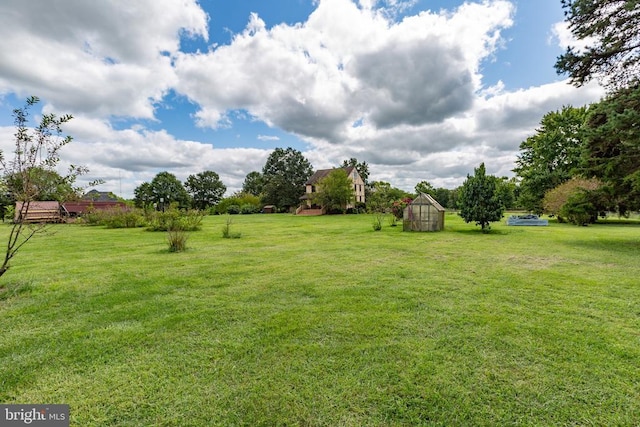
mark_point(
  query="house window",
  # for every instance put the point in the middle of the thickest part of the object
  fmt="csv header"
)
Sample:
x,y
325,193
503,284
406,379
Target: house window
x,y
313,188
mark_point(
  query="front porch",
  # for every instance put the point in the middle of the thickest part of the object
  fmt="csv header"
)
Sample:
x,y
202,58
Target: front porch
x,y
307,211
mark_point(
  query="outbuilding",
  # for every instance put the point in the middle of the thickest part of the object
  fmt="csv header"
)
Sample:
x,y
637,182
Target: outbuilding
x,y
424,213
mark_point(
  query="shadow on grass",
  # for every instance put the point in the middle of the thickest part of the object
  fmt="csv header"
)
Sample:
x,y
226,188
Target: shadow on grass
x,y
478,232
608,245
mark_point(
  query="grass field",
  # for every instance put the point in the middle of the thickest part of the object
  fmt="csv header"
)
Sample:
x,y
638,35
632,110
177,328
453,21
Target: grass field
x,y
320,321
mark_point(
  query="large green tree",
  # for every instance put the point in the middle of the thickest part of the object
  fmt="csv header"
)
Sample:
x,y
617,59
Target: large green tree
x,y
167,189
253,183
551,156
426,188
612,147
335,191
163,190
142,195
284,175
506,188
45,184
479,200
611,29
205,188
383,194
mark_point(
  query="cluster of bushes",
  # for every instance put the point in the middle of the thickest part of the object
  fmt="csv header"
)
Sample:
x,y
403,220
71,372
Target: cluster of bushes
x,y
170,219
577,201
238,204
116,217
174,219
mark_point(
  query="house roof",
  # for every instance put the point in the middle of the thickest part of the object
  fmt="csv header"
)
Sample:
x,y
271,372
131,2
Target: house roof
x,y
323,173
100,196
81,206
39,205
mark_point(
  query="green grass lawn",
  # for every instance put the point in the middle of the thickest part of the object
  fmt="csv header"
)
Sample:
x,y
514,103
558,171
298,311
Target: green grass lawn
x,y
320,321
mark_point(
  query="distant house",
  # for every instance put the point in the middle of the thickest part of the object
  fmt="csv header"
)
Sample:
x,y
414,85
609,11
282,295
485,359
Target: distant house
x,y
100,196
52,211
308,208
92,201
80,207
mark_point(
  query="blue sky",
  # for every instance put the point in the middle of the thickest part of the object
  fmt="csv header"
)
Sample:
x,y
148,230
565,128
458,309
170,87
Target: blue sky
x,y
421,90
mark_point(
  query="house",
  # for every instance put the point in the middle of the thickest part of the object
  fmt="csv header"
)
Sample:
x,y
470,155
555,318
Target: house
x,y
92,201
79,207
310,187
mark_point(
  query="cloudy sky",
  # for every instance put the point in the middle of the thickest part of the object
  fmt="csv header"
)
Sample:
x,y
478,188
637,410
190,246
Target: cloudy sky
x,y
419,89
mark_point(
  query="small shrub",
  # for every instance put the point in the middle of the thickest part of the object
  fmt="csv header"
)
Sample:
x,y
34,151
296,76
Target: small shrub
x,y
93,217
377,221
9,212
226,231
177,240
397,207
192,219
163,221
122,218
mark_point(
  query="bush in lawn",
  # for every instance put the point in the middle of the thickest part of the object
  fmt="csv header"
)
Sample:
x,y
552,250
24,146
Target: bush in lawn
x,y
123,218
174,219
579,210
377,221
192,219
179,226
163,221
115,217
397,207
240,200
177,239
556,198
226,231
92,217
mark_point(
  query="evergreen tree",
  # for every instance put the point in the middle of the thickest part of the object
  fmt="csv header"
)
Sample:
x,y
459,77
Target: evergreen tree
x,y
479,200
612,30
612,148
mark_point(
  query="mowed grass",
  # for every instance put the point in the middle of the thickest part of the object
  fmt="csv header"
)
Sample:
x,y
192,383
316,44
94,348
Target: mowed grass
x,y
320,321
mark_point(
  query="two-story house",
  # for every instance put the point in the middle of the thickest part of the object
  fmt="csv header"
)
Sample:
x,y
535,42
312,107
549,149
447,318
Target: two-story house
x,y
310,188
